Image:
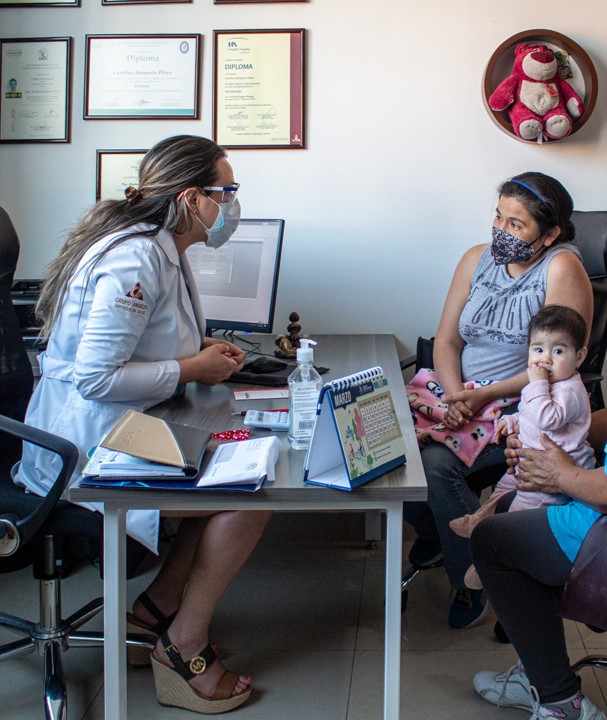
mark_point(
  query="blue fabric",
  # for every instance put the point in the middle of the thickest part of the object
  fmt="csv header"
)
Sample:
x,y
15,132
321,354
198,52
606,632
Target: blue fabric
x,y
570,523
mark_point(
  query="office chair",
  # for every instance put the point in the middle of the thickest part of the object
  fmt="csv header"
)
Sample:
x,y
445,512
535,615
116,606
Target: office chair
x,y
34,528
591,240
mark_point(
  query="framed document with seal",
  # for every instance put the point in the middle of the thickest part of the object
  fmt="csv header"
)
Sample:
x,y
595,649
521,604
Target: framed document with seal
x,y
39,3
116,170
234,2
142,2
258,99
141,77
35,90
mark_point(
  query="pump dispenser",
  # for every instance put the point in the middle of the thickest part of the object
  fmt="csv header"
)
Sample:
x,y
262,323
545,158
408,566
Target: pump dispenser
x,y
304,388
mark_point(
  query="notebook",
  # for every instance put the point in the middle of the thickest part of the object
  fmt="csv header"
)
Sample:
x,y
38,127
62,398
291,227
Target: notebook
x,y
356,436
144,446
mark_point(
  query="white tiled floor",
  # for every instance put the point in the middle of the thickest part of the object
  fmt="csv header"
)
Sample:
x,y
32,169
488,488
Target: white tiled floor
x,y
305,618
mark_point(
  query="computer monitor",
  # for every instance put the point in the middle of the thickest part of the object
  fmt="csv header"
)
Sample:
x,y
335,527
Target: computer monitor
x,y
237,283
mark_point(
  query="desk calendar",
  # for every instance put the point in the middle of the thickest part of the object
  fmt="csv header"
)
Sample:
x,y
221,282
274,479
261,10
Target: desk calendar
x,y
357,436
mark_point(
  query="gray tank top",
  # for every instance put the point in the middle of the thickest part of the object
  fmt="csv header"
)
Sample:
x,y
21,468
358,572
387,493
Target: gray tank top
x,y
494,321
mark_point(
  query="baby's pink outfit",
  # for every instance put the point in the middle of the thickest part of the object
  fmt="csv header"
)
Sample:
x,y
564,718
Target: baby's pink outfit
x,y
561,410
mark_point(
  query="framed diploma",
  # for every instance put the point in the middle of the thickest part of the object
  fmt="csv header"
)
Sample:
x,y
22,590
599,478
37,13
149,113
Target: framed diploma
x,y
35,90
116,170
141,76
226,2
258,99
39,3
142,2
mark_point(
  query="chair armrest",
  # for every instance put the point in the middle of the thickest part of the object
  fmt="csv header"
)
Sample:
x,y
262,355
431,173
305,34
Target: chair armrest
x,y
408,362
591,379
67,451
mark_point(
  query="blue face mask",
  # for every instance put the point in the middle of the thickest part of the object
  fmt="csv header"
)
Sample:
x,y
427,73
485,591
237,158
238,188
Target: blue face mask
x,y
225,223
509,249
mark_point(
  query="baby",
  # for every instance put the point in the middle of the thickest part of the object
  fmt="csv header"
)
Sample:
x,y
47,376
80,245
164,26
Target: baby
x,y
555,402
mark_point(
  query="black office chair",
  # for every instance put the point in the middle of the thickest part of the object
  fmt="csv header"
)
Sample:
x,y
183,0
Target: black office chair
x,y
32,528
591,239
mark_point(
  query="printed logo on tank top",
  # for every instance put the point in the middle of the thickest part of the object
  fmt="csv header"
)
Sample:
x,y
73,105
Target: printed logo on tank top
x,y
504,315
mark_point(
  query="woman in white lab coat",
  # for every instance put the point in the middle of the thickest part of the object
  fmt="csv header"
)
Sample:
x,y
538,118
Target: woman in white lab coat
x,y
125,332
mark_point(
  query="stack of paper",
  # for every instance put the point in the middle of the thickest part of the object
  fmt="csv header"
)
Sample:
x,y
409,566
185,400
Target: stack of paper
x,y
111,463
248,462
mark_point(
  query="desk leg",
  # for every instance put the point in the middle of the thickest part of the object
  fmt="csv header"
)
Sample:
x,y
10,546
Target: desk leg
x,y
394,551
114,612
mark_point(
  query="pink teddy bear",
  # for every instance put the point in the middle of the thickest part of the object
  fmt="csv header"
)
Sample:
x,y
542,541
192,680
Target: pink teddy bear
x,y
538,99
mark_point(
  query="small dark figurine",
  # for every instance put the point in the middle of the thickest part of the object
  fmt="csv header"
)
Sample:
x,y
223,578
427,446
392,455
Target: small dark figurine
x,y
287,344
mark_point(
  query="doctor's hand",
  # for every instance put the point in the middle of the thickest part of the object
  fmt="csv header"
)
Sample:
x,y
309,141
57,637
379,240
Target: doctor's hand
x,y
232,351
212,365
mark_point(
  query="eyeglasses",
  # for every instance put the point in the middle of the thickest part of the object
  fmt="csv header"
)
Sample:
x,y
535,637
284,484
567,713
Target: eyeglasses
x,y
228,193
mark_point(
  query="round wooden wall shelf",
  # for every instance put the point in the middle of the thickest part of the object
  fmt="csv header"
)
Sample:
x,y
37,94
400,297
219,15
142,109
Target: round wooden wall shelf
x,y
501,63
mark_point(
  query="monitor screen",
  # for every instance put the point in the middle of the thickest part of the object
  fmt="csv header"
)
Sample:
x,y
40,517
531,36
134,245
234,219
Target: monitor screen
x,y
237,283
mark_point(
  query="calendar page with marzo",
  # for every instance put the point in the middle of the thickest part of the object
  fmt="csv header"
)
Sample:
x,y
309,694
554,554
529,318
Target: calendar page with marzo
x,y
357,435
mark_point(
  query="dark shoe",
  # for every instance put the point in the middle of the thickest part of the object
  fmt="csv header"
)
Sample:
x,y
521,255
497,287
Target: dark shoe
x,y
467,608
500,633
424,553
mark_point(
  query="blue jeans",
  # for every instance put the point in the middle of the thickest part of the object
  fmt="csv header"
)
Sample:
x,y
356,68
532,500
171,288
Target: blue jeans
x,y
449,497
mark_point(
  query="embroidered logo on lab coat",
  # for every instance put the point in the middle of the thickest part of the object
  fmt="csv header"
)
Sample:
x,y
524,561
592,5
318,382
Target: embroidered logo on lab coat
x,y
135,292
134,303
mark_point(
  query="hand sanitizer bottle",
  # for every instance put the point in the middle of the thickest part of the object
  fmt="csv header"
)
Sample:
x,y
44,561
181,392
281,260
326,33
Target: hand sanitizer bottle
x,y
304,388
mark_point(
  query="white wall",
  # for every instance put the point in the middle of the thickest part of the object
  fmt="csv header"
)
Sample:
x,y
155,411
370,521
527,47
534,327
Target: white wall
x,y
402,160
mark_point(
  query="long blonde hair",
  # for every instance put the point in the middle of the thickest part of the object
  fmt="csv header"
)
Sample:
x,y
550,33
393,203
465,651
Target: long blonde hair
x,y
171,166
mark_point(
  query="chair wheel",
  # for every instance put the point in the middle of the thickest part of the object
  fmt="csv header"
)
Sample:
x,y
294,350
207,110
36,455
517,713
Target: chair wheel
x,y
500,633
404,599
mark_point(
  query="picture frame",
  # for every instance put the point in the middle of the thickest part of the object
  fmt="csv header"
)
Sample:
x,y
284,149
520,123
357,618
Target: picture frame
x,y
116,170
142,77
258,88
143,2
35,90
239,2
39,3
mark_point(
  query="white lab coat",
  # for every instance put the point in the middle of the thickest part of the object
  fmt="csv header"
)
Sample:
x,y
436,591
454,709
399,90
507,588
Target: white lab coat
x,y
123,324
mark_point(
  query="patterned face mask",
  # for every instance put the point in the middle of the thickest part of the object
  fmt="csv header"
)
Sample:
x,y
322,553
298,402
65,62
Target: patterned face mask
x,y
507,248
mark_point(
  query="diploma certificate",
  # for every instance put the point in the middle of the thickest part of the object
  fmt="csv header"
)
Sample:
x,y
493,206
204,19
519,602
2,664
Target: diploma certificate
x,y
116,170
259,88
39,3
141,76
34,90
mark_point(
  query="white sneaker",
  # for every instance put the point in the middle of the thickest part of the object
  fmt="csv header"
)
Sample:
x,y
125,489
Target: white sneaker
x,y
507,689
580,704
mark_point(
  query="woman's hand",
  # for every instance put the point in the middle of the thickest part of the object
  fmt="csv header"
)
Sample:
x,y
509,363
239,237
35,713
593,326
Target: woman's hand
x,y
541,470
212,365
463,406
233,351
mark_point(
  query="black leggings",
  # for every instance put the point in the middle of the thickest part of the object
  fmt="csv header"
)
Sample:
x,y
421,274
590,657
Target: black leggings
x,y
521,565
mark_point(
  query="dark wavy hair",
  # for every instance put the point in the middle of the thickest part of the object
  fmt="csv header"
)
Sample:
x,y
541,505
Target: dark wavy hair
x,y
172,165
546,199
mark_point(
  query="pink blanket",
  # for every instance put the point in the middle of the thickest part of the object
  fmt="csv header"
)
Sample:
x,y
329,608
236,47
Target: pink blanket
x,y
425,396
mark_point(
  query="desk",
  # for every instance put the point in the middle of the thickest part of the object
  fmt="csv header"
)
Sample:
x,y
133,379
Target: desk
x,y
210,408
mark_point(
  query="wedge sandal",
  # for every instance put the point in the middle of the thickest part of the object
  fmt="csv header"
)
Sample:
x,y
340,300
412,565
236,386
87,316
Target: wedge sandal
x,y
174,690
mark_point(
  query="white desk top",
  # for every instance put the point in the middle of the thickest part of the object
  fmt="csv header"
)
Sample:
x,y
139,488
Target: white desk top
x,y
211,408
